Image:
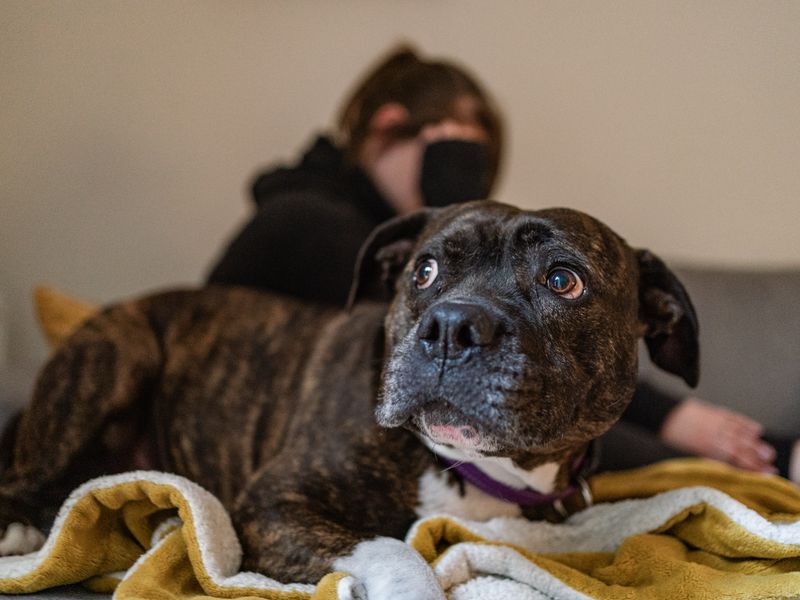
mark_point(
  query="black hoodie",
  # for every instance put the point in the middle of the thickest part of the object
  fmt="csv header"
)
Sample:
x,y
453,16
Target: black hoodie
x,y
310,222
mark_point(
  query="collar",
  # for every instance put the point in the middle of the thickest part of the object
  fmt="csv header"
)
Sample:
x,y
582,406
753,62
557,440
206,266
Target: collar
x,y
576,494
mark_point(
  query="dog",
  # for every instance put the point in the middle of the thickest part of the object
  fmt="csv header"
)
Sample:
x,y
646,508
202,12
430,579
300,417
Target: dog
x,y
482,337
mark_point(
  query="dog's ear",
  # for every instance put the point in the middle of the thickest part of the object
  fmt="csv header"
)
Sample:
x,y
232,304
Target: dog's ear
x,y
668,319
384,254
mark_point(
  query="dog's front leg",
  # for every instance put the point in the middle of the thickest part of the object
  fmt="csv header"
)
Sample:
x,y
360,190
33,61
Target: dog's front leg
x,y
299,531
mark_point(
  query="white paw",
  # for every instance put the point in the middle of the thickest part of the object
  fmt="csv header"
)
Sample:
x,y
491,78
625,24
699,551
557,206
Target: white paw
x,y
350,588
386,569
20,539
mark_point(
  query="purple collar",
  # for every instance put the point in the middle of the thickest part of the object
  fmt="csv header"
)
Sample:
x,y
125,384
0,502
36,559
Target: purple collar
x,y
527,497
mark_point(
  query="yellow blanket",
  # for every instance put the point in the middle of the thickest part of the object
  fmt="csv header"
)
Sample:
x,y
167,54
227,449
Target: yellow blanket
x,y
680,529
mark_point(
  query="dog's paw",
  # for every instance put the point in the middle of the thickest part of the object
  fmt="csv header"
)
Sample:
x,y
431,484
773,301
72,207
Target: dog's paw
x,y
387,569
350,588
20,539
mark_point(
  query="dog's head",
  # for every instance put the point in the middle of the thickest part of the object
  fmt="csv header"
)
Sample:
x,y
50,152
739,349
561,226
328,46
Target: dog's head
x,y
514,333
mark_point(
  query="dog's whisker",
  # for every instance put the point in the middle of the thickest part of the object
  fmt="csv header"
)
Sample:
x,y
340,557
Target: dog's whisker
x,y
453,466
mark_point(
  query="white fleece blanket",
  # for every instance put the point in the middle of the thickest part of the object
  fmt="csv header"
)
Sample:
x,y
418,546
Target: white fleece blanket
x,y
692,542
481,571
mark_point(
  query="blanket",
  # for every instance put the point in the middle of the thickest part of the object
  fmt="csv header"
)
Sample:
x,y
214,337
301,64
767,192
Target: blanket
x,y
685,528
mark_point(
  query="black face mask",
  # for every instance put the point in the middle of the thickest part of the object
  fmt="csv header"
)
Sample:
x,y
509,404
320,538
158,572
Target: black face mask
x,y
454,171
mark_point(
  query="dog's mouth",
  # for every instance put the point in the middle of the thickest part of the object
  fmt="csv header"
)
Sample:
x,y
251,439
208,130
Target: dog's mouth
x,y
449,427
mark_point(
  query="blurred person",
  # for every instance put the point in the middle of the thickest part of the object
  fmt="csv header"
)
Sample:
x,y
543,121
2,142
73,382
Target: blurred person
x,y
416,132
413,133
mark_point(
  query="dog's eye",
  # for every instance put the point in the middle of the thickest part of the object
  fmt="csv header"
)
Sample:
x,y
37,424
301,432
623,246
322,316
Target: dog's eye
x,y
565,283
426,273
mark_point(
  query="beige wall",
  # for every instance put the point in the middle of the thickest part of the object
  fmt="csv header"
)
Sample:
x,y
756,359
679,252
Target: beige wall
x,y
131,129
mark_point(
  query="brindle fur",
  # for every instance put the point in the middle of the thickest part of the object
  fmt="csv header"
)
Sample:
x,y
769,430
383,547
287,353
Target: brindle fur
x,y
270,403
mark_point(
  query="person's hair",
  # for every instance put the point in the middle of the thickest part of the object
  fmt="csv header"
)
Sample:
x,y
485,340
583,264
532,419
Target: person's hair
x,y
429,91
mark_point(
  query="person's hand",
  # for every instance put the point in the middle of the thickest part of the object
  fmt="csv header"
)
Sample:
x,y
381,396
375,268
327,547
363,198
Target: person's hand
x,y
719,433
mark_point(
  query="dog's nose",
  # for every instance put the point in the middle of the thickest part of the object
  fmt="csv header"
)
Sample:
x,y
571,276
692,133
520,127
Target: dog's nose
x,y
450,330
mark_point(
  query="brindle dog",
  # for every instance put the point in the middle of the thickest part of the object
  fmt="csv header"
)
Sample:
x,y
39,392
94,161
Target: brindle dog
x,y
509,334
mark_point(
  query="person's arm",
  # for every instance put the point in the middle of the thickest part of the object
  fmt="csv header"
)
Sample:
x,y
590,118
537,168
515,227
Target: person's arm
x,y
650,407
302,243
704,429
722,434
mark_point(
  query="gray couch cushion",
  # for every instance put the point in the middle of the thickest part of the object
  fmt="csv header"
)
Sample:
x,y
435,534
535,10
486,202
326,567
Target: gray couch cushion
x,y
749,343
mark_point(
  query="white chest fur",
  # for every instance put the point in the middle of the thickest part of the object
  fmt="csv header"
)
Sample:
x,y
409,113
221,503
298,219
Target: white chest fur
x,y
438,495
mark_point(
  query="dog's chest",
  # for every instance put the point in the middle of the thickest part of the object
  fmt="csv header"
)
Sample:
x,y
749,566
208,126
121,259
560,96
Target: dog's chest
x,y
439,493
